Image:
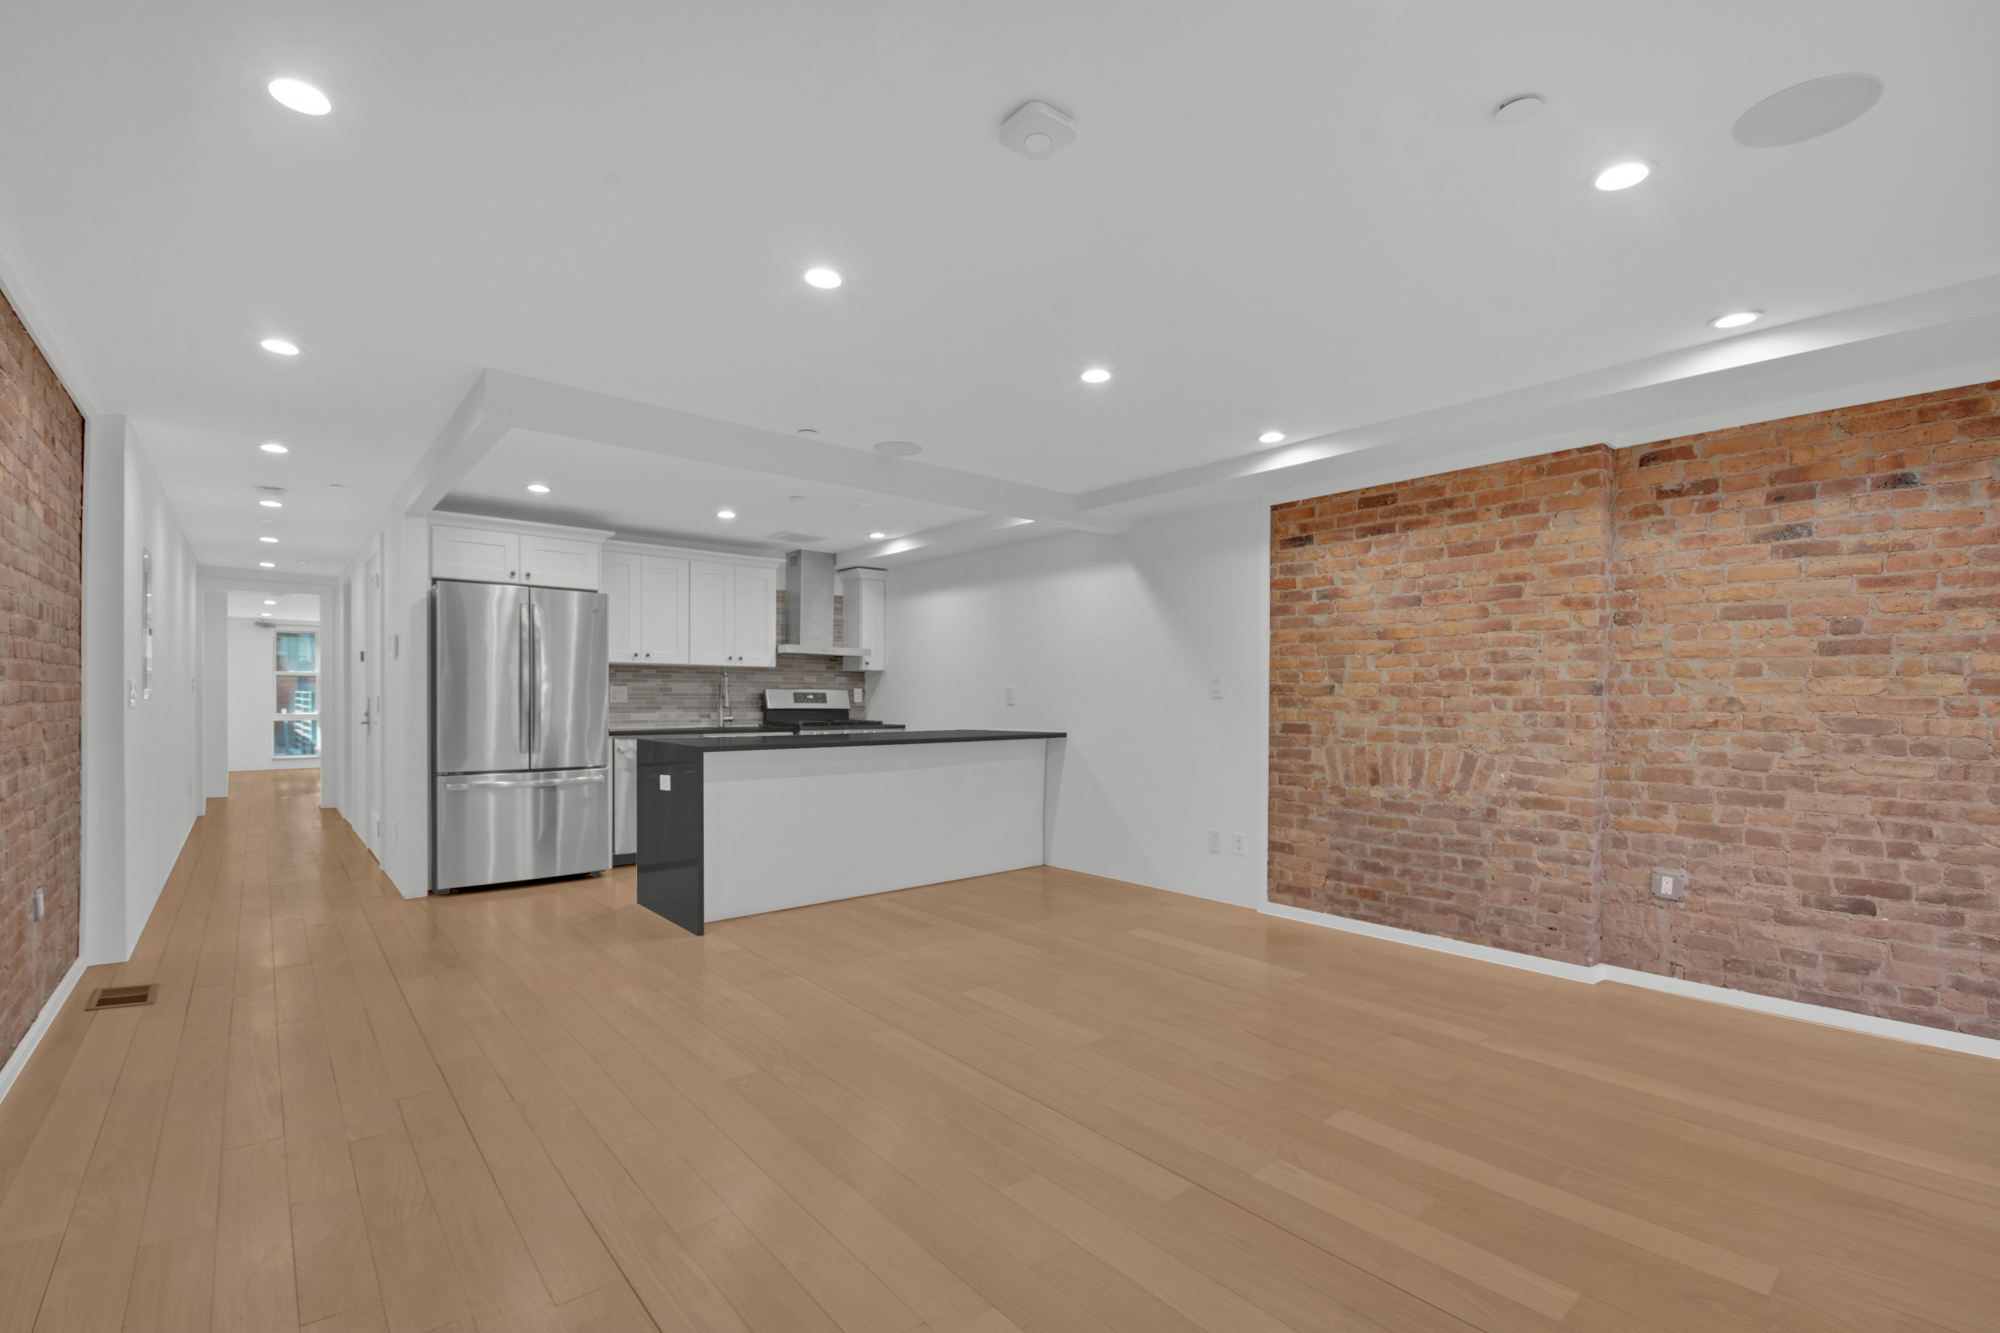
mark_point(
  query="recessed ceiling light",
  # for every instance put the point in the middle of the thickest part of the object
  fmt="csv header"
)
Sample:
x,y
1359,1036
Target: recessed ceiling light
x,y
807,430
538,488
725,513
1271,437
267,564
272,504
274,448
1095,375
1622,176
898,448
280,346
1735,319
824,278
798,497
267,539
269,602
877,536
299,96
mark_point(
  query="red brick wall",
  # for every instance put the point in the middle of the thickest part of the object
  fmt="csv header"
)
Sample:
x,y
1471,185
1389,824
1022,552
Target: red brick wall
x,y
1796,689
1438,710
41,692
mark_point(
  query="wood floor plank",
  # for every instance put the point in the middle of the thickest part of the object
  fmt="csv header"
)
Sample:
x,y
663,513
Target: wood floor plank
x,y
1035,1102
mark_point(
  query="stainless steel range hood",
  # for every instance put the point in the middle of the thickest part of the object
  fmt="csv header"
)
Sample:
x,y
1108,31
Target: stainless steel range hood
x,y
809,603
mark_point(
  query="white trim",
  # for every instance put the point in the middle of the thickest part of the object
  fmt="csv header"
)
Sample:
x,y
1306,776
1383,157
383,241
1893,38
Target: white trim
x,y
623,546
1963,1042
32,1038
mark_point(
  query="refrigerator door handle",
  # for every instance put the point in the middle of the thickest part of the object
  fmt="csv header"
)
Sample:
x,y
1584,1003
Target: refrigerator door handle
x,y
535,685
525,721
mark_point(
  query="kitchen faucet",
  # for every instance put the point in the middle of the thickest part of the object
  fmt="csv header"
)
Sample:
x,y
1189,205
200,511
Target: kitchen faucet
x,y
722,718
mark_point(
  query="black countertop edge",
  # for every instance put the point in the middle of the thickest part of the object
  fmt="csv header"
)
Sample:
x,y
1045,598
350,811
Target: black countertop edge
x,y
786,741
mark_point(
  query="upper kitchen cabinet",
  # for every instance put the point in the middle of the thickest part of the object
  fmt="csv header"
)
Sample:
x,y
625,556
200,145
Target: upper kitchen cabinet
x,y
732,613
478,555
559,562
864,599
649,606
498,551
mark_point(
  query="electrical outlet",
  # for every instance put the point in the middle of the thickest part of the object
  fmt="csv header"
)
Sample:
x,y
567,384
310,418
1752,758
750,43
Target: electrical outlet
x,y
1215,841
621,694
859,697
1239,844
35,908
1215,687
1672,885
1010,696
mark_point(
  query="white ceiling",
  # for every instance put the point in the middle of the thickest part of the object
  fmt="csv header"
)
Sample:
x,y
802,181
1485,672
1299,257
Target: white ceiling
x,y
650,497
292,607
1276,215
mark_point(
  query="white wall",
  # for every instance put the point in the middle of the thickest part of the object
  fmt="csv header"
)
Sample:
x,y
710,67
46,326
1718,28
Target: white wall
x,y
251,653
1114,640
391,756
141,755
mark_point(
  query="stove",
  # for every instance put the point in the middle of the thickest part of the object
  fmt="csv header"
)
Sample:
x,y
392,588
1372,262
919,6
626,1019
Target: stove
x,y
816,712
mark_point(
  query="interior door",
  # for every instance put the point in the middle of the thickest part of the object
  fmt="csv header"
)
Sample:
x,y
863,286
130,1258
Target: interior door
x,y
482,635
570,721
711,612
755,594
663,614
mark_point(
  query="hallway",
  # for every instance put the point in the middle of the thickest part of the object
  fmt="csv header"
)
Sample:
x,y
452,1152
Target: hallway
x,y
1040,1101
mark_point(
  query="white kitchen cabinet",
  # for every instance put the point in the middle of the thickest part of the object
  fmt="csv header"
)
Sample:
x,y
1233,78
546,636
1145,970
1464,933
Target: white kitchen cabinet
x,y
732,614
477,555
663,610
618,576
648,597
864,601
756,596
496,551
558,562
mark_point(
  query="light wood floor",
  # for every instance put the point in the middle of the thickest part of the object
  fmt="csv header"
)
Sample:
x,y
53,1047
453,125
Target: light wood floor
x,y
1036,1101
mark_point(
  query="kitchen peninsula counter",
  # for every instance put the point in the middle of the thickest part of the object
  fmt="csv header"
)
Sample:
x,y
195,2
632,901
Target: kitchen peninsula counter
x,y
734,825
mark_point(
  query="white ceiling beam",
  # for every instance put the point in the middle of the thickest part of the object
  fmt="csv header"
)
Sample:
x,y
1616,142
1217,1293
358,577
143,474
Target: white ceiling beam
x,y
581,414
1829,361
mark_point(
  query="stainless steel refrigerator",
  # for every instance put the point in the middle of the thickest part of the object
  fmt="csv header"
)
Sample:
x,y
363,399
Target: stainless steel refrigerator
x,y
520,741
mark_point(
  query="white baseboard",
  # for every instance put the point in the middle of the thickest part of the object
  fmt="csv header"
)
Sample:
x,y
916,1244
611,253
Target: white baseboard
x,y
1963,1042
39,1028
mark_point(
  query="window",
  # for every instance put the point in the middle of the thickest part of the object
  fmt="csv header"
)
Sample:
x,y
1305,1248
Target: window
x,y
295,731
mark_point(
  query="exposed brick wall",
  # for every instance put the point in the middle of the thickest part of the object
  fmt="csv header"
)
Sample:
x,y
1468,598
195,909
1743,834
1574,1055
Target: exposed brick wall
x,y
1799,704
41,685
1438,711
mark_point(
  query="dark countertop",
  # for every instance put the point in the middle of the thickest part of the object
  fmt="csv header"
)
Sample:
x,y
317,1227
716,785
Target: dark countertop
x,y
651,744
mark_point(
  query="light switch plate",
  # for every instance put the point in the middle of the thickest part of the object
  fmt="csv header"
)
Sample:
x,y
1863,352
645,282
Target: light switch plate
x,y
1672,885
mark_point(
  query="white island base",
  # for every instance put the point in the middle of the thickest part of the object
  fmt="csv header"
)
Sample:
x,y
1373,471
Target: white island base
x,y
785,828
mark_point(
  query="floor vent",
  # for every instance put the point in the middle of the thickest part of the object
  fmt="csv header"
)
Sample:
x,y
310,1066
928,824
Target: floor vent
x,y
121,997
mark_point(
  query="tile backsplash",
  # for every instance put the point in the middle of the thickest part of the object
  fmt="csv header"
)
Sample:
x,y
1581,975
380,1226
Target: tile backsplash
x,y
690,696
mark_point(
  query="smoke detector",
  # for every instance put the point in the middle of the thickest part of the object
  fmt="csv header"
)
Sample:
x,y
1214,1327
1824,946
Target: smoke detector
x,y
1037,131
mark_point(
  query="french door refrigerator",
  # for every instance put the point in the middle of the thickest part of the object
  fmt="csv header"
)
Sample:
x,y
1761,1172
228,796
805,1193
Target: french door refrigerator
x,y
520,740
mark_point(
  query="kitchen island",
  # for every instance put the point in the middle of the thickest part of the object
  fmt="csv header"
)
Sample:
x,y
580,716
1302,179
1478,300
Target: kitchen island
x,y
734,825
